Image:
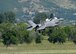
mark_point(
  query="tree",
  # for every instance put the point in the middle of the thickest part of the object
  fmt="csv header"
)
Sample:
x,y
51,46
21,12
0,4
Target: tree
x,y
40,17
57,35
73,34
15,34
2,16
38,38
67,30
9,37
22,33
7,17
49,30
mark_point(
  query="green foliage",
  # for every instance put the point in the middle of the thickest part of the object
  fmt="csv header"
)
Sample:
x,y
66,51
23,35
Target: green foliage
x,y
40,17
73,34
67,30
9,37
57,35
17,34
38,38
49,30
7,17
22,33
46,31
1,17
8,34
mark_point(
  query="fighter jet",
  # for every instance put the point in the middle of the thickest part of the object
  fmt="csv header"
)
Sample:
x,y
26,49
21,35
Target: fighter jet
x,y
47,23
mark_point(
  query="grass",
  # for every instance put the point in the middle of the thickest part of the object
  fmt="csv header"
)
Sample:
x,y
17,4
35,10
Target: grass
x,y
43,48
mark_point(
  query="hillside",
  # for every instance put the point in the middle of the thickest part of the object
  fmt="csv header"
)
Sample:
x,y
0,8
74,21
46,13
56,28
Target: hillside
x,y
62,8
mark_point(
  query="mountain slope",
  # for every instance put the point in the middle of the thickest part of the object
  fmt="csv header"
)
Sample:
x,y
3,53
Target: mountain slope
x,y
62,8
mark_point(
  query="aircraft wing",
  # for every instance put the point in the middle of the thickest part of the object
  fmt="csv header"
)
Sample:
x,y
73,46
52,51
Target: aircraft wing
x,y
50,23
56,20
30,28
42,27
47,24
32,23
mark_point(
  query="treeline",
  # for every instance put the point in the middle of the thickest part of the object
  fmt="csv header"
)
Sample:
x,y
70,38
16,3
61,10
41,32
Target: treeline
x,y
62,34
7,17
17,33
